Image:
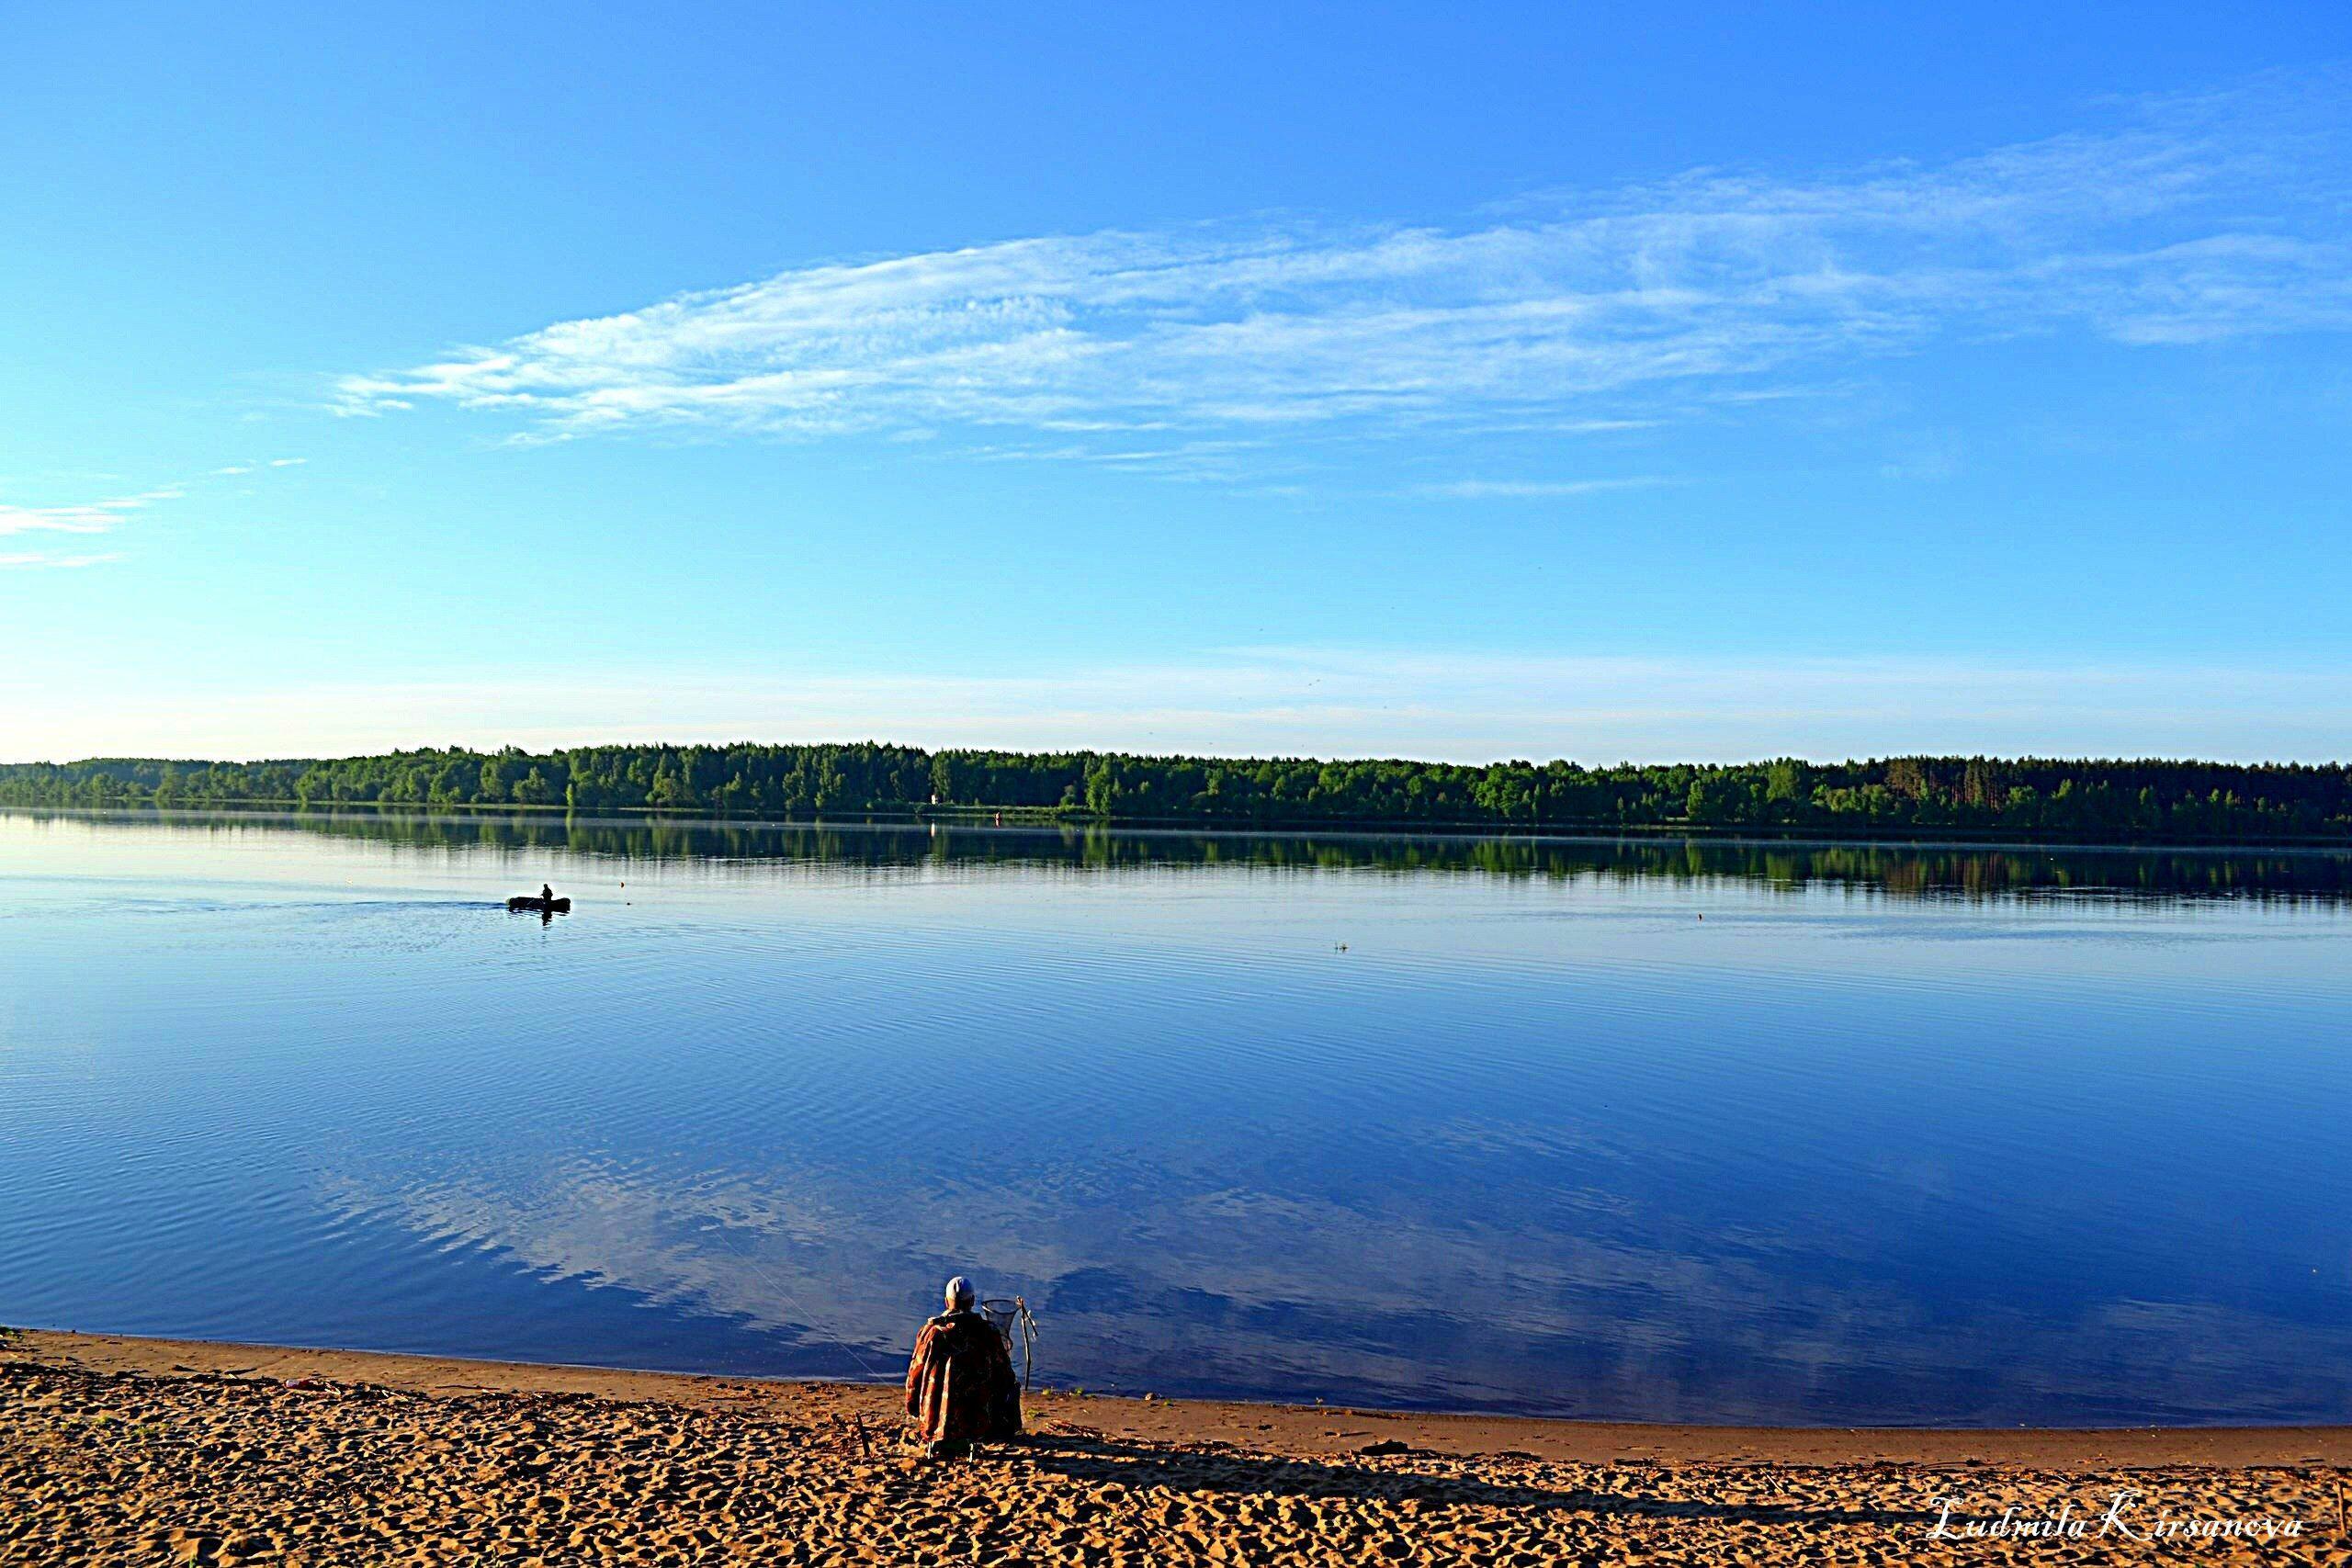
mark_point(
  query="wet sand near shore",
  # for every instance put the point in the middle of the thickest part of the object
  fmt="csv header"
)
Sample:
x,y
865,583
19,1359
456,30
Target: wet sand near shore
x,y
126,1450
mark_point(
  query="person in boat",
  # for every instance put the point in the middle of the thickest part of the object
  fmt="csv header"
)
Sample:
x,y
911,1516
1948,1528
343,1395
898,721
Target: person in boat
x,y
547,894
960,1387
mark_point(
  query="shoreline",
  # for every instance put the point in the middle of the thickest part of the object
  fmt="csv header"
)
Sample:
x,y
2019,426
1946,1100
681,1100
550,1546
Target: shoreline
x,y
119,1449
1046,819
1291,1428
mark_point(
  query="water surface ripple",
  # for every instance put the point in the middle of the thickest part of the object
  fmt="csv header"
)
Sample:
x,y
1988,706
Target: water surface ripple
x,y
1831,1134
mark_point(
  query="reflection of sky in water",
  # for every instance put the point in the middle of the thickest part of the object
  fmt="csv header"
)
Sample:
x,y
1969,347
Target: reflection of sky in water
x,y
1551,1142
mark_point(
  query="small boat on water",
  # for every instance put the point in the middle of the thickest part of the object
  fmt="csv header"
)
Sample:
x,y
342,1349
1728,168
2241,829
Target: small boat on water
x,y
531,903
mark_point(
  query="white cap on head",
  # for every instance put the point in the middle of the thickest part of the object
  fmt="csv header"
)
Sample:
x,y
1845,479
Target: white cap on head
x,y
959,1293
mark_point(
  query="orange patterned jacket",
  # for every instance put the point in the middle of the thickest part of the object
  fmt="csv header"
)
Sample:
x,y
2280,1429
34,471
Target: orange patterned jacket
x,y
960,1385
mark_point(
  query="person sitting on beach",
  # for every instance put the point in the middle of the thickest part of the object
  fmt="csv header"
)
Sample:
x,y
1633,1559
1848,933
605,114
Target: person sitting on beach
x,y
960,1387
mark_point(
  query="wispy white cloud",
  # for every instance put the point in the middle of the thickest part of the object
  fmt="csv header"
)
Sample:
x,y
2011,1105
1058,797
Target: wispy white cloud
x,y
103,515
1458,705
1537,490
2188,221
83,517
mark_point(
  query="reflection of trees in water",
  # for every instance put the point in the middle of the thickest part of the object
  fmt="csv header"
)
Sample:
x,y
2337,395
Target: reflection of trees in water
x,y
1900,871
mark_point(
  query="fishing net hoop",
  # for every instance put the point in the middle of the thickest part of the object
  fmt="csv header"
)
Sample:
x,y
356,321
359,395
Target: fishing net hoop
x,y
1010,1316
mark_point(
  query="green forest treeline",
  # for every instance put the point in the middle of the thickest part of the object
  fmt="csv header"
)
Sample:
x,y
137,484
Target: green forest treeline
x,y
2087,799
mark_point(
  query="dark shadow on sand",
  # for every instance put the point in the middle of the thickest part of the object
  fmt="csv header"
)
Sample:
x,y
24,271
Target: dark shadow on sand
x,y
1102,1460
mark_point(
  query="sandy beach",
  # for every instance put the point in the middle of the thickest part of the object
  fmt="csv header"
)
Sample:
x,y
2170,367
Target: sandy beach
x,y
125,1451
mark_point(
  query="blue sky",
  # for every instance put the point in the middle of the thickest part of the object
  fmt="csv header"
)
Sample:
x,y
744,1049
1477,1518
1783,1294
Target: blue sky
x,y
1472,382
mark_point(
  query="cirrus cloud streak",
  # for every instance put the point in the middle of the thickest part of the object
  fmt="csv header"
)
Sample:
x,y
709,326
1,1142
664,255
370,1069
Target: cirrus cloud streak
x,y
2192,221
105,515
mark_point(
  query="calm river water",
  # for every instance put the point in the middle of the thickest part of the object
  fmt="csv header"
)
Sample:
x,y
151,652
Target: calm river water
x,y
1695,1132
